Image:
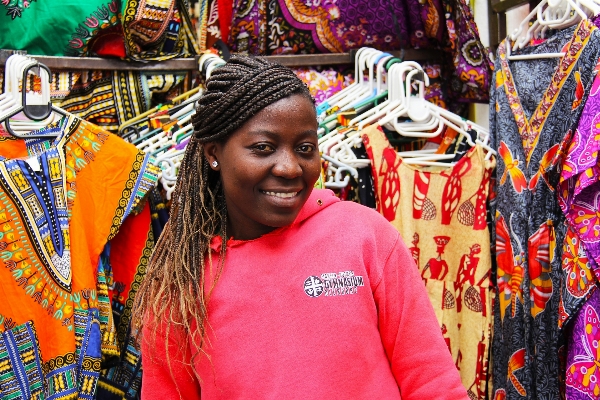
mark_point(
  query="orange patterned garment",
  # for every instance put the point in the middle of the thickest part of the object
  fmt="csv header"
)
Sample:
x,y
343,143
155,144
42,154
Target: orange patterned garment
x,y
61,202
441,215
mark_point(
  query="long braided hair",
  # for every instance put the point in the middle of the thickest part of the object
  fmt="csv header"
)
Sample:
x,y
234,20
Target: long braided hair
x,y
173,294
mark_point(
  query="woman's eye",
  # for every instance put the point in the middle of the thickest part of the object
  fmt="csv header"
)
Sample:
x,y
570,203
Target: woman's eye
x,y
306,148
263,147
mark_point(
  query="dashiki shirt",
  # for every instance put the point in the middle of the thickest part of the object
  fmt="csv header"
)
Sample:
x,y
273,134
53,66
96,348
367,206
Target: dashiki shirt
x,y
534,104
442,212
579,198
138,30
61,203
109,98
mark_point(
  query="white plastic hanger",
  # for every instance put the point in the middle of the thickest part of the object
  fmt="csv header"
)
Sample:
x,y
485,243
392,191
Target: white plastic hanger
x,y
342,93
16,76
363,87
549,14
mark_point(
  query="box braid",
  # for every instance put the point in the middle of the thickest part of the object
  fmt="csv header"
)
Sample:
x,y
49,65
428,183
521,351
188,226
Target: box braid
x,y
172,295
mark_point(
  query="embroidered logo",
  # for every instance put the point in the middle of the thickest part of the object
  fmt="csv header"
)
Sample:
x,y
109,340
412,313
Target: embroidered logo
x,y
333,284
313,286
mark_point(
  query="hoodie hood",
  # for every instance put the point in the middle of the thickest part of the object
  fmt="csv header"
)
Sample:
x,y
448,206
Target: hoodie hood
x,y
318,200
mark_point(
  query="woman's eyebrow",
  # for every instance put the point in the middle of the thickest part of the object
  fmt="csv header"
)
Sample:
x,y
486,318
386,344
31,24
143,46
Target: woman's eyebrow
x,y
274,135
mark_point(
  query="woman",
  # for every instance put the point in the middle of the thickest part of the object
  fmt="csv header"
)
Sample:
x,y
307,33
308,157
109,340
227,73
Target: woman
x,y
261,287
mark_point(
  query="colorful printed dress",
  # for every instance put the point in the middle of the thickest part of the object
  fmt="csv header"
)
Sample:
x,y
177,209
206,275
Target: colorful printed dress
x,y
579,198
60,204
139,30
534,105
442,212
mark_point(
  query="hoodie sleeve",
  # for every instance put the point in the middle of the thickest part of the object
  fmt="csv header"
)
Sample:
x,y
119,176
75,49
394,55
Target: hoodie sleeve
x,y
419,357
159,381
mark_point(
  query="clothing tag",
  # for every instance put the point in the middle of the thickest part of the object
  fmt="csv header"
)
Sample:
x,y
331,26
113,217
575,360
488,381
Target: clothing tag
x,y
34,164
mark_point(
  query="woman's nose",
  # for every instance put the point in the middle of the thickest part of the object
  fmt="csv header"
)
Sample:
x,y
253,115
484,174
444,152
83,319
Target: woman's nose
x,y
287,165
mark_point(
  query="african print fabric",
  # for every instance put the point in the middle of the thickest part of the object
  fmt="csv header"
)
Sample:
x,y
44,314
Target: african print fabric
x,y
210,27
43,28
442,212
468,63
109,98
249,27
583,354
324,82
62,202
534,104
263,27
579,197
332,27
138,30
158,29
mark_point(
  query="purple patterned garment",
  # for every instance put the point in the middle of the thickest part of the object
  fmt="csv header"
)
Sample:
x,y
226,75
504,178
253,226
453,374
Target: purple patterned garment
x,y
262,27
470,77
418,39
579,187
583,372
333,26
579,197
248,27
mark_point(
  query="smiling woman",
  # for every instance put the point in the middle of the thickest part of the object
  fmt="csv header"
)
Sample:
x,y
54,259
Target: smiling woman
x,y
260,286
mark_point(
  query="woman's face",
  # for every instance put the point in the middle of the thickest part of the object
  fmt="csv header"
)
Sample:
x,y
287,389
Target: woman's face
x,y
268,167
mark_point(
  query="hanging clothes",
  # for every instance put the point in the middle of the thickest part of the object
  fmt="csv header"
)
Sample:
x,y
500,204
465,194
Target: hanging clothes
x,y
138,30
333,27
109,98
44,28
533,105
442,212
158,29
62,202
579,198
325,82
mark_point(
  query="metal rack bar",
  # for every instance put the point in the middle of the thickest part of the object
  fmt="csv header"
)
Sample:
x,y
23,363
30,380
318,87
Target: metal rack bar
x,y
187,64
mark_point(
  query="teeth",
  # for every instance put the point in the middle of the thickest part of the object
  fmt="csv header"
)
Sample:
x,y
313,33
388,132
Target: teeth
x,y
282,195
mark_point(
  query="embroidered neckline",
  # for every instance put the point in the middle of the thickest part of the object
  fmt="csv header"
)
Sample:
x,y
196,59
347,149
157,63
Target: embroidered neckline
x,y
44,201
41,199
530,130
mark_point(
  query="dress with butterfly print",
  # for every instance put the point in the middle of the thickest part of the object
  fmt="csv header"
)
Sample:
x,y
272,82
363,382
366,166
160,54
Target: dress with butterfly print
x,y
441,216
534,105
579,197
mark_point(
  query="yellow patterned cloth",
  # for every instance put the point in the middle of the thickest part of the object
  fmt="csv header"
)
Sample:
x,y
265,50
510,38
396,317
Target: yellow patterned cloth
x,y
109,98
441,215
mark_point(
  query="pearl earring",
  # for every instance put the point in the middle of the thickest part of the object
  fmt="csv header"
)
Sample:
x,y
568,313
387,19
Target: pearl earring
x,y
214,164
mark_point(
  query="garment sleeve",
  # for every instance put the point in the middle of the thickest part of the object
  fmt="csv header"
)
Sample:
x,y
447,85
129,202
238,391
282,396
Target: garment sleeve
x,y
579,185
419,357
161,382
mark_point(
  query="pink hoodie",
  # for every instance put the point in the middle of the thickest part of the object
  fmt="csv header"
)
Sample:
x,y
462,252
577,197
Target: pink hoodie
x,y
331,306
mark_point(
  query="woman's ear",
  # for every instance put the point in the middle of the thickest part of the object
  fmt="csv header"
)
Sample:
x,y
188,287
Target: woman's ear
x,y
211,152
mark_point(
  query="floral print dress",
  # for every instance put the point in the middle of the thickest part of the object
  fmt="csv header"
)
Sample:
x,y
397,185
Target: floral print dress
x,y
579,198
534,105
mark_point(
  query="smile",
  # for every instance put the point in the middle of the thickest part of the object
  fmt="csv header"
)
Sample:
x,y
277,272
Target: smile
x,y
280,194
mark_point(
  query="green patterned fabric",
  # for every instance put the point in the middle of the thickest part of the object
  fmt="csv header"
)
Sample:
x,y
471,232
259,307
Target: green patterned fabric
x,y
131,29
58,27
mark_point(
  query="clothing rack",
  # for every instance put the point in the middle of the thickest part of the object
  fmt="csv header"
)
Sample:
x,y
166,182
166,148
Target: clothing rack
x,y
188,64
